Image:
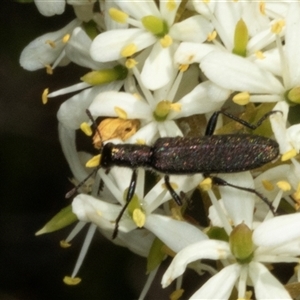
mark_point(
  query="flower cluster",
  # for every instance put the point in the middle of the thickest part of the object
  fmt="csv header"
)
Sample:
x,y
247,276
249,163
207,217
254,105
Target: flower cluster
x,y
157,69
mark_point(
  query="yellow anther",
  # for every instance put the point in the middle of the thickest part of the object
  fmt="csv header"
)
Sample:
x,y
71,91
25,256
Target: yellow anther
x,y
93,162
49,69
288,155
130,63
183,68
66,38
166,41
118,15
99,213
71,280
277,26
206,1
176,107
262,7
129,50
86,128
260,55
212,36
268,185
206,184
176,294
45,96
121,113
171,5
241,98
284,185
140,142
139,217
50,43
64,244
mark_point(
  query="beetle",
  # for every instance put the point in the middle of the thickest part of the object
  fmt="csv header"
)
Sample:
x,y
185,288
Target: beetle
x,y
209,154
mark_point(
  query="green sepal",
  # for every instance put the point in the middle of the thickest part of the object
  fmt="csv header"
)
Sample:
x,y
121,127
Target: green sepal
x,y
90,29
155,256
64,218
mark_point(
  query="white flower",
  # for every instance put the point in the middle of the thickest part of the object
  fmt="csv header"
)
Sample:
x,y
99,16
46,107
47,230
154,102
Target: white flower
x,y
154,27
275,240
47,49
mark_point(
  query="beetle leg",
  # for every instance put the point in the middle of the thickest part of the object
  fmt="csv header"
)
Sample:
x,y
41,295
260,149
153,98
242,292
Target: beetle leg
x,y
174,195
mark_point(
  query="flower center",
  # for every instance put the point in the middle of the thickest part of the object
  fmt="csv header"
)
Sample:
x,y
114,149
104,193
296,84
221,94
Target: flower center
x,y
240,39
293,95
163,108
241,245
155,25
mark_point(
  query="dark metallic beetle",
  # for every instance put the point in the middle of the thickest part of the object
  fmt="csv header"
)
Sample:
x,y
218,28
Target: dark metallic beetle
x,y
189,155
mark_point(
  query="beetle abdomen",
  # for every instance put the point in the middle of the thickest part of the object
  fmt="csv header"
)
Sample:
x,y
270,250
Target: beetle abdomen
x,y
212,154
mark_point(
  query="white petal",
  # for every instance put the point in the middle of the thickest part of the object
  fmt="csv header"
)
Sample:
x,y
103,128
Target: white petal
x,y
236,73
175,234
277,231
266,286
39,53
68,144
194,29
169,14
50,8
147,133
210,249
293,134
204,98
108,45
205,8
292,44
169,129
188,53
73,111
158,69
220,285
105,103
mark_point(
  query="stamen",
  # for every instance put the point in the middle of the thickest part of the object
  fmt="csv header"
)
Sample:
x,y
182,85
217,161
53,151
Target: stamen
x,y
259,55
86,128
277,27
94,161
183,68
50,43
49,69
206,184
71,281
66,38
262,7
171,5
130,63
288,155
296,195
129,50
64,244
267,185
166,41
121,113
241,98
118,15
284,185
212,36
176,294
45,96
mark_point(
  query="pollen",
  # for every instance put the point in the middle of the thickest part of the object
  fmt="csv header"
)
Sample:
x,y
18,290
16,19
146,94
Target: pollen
x,y
260,55
121,113
93,162
49,69
86,128
267,185
50,43
241,98
71,280
64,244
277,27
166,41
176,294
129,50
206,184
66,38
45,96
288,155
262,7
183,68
139,217
130,63
284,185
171,5
118,15
212,36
